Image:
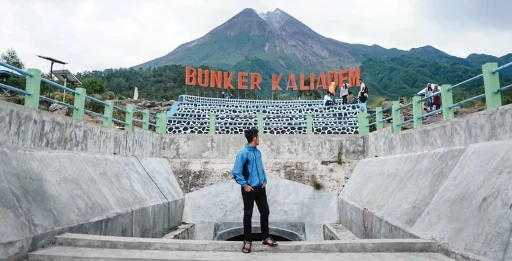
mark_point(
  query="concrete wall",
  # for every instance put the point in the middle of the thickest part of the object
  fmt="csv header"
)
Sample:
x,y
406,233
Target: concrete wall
x,y
288,201
484,126
197,160
47,192
194,174
279,147
202,160
460,196
28,128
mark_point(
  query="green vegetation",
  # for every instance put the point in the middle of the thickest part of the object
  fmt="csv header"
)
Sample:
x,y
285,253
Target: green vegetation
x,y
387,79
317,185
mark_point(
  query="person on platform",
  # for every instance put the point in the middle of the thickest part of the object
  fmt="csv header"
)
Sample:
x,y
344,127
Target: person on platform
x,y
332,91
363,93
428,93
350,98
437,99
344,92
328,100
248,171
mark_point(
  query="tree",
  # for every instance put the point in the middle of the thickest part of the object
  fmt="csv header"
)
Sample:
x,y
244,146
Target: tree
x,y
94,85
11,57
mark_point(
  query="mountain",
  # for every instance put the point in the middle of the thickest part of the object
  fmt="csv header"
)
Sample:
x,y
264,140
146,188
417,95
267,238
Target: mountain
x,y
284,43
276,42
477,60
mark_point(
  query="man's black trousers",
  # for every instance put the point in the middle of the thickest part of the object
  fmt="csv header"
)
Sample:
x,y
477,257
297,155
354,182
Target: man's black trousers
x,y
259,195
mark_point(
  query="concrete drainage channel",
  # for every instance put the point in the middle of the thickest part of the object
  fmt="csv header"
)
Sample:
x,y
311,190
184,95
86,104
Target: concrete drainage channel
x,y
178,245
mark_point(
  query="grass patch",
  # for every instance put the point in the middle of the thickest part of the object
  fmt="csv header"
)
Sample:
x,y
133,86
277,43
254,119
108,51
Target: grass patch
x,y
317,185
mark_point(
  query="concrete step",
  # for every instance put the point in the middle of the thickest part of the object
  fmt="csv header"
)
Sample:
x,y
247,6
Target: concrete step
x,y
328,246
62,253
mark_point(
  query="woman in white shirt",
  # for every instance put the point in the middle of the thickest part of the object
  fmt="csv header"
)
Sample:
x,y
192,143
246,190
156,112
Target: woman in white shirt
x,y
344,93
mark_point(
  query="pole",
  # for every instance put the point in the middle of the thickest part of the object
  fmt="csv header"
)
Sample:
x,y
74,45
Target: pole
x,y
64,97
49,86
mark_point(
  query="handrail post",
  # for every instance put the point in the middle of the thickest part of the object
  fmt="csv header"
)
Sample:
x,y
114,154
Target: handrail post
x,y
212,123
446,102
378,118
34,87
396,113
129,118
362,122
79,112
491,84
108,113
309,124
161,122
416,112
145,119
260,122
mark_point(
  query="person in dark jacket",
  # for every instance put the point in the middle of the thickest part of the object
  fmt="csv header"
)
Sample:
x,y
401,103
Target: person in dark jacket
x,y
248,171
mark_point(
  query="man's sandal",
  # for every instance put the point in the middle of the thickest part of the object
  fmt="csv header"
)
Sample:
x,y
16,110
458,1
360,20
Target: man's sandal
x,y
246,249
269,242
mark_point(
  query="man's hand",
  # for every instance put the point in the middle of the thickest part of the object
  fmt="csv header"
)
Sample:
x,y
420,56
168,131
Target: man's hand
x,y
264,185
248,188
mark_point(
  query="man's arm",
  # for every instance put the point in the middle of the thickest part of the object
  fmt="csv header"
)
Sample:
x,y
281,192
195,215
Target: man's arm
x,y
238,168
263,170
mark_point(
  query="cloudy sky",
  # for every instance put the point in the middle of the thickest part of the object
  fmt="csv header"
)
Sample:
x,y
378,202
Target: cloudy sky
x,y
99,34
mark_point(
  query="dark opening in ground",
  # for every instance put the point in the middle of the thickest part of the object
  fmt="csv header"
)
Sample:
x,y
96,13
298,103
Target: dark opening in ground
x,y
257,237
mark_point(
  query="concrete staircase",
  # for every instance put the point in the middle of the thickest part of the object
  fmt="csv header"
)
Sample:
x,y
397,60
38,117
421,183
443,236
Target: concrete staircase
x,y
91,247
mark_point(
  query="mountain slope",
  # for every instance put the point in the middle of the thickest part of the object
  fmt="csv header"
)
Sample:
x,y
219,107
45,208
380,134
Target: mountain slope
x,y
405,75
477,60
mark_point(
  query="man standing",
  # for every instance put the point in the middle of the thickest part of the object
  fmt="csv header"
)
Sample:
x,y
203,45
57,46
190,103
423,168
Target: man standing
x,y
249,173
363,93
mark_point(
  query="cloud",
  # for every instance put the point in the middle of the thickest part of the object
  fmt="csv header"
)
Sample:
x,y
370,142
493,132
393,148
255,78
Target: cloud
x,y
99,34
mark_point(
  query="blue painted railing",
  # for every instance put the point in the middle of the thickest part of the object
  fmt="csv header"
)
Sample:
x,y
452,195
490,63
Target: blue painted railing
x,y
32,99
492,96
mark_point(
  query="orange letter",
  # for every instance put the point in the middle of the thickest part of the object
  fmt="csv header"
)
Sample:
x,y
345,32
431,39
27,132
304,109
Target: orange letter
x,y
275,82
311,81
321,81
353,77
255,81
291,82
227,80
343,77
216,79
200,81
301,80
332,77
242,80
190,76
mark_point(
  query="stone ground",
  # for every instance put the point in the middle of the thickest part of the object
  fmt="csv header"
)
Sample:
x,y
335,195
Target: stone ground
x,y
79,254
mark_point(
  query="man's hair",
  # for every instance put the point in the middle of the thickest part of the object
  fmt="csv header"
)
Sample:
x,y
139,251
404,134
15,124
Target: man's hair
x,y
250,134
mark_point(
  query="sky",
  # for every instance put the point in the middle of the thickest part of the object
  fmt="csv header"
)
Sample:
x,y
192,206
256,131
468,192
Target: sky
x,y
100,34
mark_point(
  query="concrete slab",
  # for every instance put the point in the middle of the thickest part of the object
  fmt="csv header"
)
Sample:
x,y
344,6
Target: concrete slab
x,y
44,193
459,196
88,254
359,246
338,232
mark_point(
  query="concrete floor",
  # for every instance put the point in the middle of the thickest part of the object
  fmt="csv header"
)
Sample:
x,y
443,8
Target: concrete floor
x,y
79,254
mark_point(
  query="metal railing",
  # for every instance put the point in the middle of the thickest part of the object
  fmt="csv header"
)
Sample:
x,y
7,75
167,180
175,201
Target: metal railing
x,y
33,98
492,96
